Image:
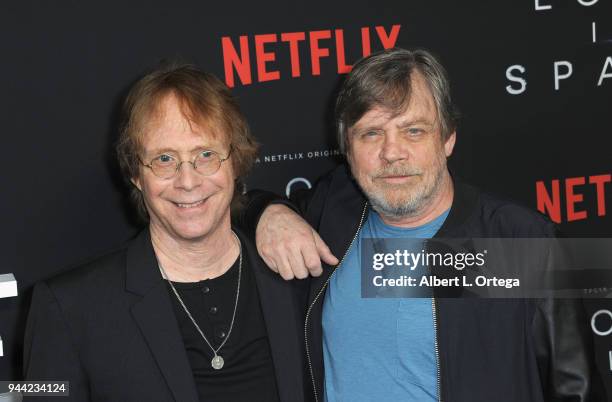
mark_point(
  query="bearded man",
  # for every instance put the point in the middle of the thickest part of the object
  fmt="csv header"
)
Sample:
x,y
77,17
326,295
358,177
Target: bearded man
x,y
396,126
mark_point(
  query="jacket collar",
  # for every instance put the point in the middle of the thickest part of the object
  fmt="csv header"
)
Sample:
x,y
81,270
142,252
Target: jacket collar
x,y
465,200
339,222
154,315
142,273
283,324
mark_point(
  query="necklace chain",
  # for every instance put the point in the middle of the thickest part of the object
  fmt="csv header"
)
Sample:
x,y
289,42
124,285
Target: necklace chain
x,y
217,360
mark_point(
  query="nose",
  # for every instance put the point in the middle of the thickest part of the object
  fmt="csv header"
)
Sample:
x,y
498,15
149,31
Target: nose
x,y
187,178
392,148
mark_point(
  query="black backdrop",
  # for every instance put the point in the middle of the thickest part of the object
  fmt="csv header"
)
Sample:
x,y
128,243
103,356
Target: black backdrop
x,y
66,65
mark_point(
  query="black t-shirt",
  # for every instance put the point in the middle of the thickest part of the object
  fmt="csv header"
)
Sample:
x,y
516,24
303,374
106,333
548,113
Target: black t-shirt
x,y
248,372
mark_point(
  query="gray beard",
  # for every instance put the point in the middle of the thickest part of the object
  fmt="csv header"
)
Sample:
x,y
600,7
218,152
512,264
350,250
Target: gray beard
x,y
408,209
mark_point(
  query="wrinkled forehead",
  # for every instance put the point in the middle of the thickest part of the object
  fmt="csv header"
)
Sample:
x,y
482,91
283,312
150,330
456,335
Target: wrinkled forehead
x,y
414,113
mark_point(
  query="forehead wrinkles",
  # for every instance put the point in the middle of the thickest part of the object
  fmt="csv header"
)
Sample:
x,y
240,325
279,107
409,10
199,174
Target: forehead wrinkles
x,y
382,118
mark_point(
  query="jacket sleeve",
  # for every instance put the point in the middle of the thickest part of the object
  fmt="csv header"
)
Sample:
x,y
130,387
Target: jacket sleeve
x,y
305,202
49,351
564,344
565,353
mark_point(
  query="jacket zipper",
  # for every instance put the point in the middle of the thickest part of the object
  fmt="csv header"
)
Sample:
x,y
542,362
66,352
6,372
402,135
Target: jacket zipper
x,y
314,385
433,309
436,348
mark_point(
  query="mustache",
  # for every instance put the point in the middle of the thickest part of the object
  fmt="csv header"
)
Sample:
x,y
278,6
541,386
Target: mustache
x,y
397,171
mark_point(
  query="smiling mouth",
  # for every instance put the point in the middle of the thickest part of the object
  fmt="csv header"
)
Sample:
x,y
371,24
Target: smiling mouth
x,y
189,205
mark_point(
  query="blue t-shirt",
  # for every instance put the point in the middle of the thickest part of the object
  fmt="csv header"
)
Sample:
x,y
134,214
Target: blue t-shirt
x,y
378,349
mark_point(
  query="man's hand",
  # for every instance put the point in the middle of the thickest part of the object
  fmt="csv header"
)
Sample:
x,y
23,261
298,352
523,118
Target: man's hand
x,y
289,245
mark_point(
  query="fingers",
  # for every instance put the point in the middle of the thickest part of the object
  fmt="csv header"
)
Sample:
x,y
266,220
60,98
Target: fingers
x,y
291,265
311,260
284,268
323,251
298,267
278,264
270,263
289,245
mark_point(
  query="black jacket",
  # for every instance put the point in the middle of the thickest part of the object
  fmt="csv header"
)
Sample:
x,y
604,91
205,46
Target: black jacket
x,y
109,328
503,350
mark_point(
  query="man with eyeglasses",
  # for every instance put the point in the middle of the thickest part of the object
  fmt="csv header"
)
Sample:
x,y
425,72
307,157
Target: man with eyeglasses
x,y
186,311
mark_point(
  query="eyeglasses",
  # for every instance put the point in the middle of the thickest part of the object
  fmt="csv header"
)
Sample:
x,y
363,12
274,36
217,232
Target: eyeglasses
x,y
206,163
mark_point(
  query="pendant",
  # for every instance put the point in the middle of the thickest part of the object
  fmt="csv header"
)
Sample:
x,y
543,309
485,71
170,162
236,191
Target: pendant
x,y
217,362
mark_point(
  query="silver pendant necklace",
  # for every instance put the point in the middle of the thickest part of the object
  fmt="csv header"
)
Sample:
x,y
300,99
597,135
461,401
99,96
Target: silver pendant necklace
x,y
217,361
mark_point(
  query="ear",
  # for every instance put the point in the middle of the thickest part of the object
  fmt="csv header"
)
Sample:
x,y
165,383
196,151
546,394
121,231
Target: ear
x,y
348,155
231,167
136,182
348,149
450,144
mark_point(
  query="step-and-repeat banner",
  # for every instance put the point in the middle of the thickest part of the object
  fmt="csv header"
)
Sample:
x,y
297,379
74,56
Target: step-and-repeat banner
x,y
532,79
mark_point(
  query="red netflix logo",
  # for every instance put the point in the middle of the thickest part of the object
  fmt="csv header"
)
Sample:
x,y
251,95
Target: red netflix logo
x,y
237,59
549,199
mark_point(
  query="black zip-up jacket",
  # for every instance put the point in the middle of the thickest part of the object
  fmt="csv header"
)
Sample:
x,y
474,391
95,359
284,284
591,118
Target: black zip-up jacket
x,y
502,350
